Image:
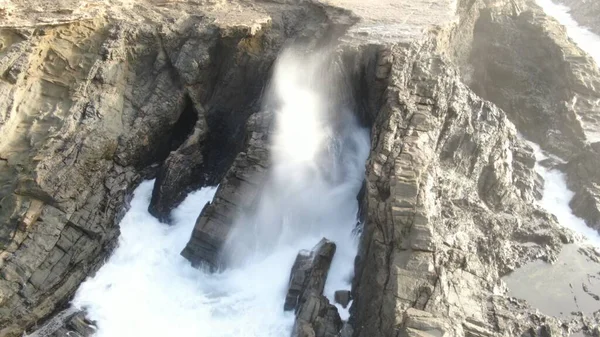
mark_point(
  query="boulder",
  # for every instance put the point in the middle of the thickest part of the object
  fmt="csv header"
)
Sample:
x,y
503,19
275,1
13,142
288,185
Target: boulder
x,y
343,297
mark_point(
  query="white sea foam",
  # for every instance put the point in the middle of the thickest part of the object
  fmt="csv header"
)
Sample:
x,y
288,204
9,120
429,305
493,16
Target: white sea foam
x,y
147,289
556,199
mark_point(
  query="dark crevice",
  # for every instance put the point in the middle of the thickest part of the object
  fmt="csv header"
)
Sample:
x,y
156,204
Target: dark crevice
x,y
184,126
236,96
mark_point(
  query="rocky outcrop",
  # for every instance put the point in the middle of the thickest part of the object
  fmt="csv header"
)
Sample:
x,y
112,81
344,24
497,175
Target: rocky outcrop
x,y
343,297
96,96
315,316
76,326
552,99
89,105
585,12
523,61
67,323
583,177
225,74
71,94
236,194
449,195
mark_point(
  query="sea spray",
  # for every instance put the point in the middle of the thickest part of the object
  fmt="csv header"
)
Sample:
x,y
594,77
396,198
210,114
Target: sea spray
x,y
318,153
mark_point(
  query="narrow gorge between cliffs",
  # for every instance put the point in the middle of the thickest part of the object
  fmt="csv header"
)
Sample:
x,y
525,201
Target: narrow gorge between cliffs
x,y
318,150
319,168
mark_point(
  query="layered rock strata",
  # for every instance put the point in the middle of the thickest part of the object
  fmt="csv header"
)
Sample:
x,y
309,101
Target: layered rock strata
x,y
450,206
237,193
96,96
91,104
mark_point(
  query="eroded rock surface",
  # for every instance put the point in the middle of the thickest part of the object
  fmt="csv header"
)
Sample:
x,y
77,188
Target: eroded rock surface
x,y
236,194
95,96
92,103
583,177
445,214
315,316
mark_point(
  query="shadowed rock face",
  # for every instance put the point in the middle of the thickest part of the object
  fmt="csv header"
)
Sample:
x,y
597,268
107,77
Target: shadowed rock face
x,y
237,192
441,178
315,316
96,97
88,107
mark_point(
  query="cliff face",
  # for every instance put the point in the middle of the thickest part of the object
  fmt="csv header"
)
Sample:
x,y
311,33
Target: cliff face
x,y
95,97
90,105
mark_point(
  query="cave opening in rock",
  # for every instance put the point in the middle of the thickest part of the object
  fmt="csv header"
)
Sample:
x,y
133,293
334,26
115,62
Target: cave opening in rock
x,y
184,126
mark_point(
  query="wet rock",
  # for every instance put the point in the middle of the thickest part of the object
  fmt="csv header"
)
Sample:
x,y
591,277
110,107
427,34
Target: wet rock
x,y
91,102
223,101
94,101
67,323
298,277
179,172
567,285
342,297
236,194
76,326
347,330
309,273
315,316
583,178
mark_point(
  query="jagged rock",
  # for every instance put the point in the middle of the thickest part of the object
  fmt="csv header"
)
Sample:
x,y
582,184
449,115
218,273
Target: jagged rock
x,y
69,161
585,12
237,193
583,177
450,192
224,102
551,99
92,96
299,274
92,99
67,323
76,326
315,316
177,174
309,273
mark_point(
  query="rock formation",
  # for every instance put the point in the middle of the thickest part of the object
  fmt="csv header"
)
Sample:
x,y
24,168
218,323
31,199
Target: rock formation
x,y
95,97
237,193
585,12
438,202
315,316
92,100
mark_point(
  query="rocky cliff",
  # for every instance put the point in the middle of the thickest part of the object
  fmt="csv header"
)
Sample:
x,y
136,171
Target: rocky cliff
x,y
96,96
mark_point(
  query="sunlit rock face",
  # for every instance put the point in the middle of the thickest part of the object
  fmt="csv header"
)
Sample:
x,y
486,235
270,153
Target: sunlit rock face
x,y
395,129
